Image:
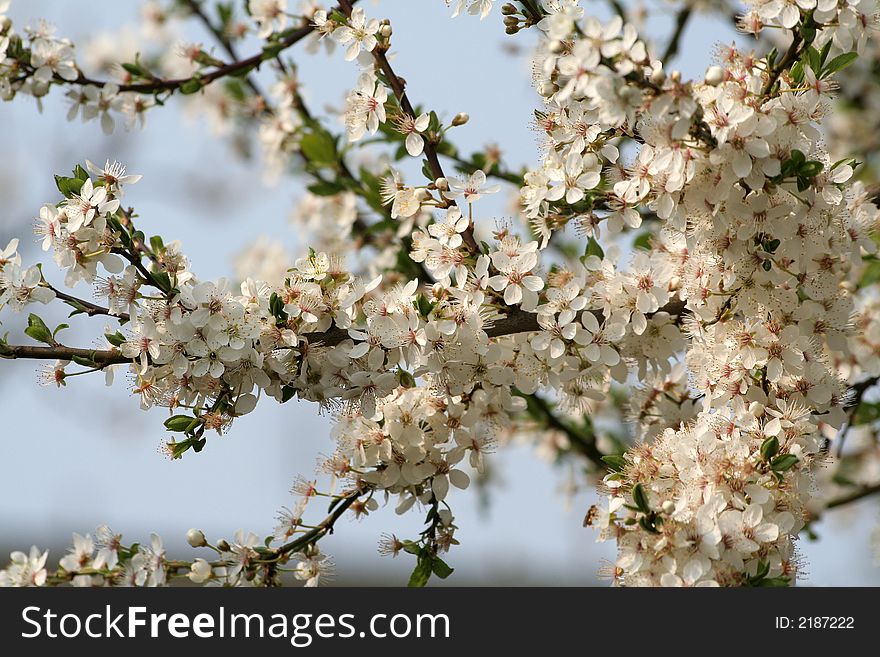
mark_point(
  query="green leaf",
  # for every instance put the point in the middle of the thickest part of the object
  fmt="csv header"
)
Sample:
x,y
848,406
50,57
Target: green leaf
x,y
640,499
191,86
769,448
422,572
823,55
615,462
38,330
426,170
643,241
813,59
839,63
411,547
80,174
783,462
423,305
866,413
326,188
116,339
162,280
775,582
760,575
440,568
179,422
68,186
811,169
593,248
871,274
406,379
319,148
59,328
85,362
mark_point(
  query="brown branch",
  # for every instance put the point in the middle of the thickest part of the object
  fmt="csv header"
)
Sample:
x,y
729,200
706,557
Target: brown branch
x,y
292,36
856,495
787,60
86,307
681,20
101,358
325,526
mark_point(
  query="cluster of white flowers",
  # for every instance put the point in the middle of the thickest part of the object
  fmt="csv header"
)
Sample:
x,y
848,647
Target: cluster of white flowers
x,y
763,237
103,560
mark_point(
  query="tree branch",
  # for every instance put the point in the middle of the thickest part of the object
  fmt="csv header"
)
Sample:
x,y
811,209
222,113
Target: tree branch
x,y
681,20
85,307
859,494
325,526
101,358
291,37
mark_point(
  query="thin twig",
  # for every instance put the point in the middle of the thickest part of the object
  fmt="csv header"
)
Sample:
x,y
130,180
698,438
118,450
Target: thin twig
x,y
325,526
397,86
856,495
681,20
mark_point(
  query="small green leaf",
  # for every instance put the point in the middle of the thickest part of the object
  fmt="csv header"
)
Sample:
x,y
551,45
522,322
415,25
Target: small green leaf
x,y
811,169
839,63
38,330
116,339
643,241
326,188
615,462
783,462
774,582
191,86
866,413
769,448
80,174
319,148
640,499
422,572
440,568
411,548
85,362
179,422
594,249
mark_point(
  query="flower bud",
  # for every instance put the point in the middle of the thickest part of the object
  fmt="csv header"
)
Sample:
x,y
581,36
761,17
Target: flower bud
x,y
385,30
423,194
668,507
714,76
508,9
442,184
461,118
196,538
223,545
547,89
555,46
511,21
658,75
